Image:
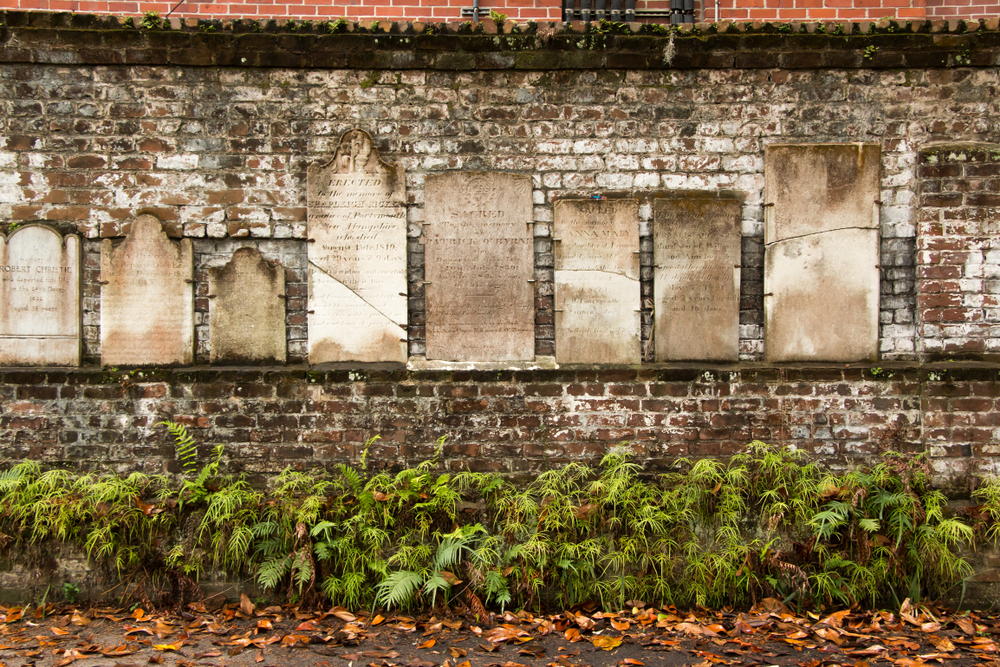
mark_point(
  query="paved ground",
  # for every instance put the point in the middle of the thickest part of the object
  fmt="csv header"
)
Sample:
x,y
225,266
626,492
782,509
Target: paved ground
x,y
242,635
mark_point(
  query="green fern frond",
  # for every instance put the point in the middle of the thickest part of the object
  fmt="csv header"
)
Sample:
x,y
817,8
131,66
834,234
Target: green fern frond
x,y
184,446
273,570
240,541
869,525
302,569
399,588
435,584
354,481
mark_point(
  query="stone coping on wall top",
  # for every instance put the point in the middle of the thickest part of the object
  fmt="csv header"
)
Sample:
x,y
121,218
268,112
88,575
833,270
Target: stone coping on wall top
x,y
90,39
706,373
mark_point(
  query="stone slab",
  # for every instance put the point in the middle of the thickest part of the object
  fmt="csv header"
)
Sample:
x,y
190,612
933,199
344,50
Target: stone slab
x,y
357,223
821,256
147,303
597,292
823,297
39,298
479,259
820,187
696,279
352,329
247,311
597,235
597,318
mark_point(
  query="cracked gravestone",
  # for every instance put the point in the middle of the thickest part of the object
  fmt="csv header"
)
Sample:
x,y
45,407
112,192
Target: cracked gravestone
x,y
247,315
357,256
40,293
696,278
479,267
147,300
821,235
597,294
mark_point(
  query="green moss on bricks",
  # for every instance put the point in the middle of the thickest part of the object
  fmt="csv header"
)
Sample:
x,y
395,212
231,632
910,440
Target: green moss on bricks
x,y
455,61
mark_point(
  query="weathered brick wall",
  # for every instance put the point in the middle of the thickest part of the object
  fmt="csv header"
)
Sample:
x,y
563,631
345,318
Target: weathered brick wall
x,y
958,258
413,10
221,153
506,421
214,131
511,422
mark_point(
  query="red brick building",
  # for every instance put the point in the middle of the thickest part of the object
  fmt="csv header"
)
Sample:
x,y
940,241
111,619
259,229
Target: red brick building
x,y
538,10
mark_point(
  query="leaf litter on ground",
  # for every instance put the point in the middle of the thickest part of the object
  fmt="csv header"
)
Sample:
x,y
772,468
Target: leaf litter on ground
x,y
767,634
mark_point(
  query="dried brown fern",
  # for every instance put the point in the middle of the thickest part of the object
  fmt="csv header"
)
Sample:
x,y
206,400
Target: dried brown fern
x,y
477,606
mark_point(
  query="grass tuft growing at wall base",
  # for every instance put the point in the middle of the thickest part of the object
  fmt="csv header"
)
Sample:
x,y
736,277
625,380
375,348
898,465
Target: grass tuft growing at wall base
x,y
766,523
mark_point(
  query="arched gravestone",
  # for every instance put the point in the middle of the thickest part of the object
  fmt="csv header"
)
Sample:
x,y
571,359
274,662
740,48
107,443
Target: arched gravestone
x,y
247,313
147,300
39,298
357,256
821,256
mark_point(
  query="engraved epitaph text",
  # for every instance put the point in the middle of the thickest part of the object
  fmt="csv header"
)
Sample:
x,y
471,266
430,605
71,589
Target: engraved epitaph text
x,y
479,261
597,281
247,318
147,303
696,279
39,298
357,256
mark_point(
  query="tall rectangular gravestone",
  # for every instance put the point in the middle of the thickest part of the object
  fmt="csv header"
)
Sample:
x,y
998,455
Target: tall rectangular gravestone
x,y
696,279
147,300
821,235
597,281
39,298
247,316
479,259
357,256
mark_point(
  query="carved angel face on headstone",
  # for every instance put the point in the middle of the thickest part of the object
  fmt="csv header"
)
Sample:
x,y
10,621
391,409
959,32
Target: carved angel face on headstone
x,y
354,153
361,152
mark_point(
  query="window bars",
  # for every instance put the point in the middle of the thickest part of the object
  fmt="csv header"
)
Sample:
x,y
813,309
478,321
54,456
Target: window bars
x,y
681,11
600,12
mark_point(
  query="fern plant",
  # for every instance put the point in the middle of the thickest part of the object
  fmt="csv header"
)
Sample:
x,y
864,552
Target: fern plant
x,y
400,588
888,529
283,540
104,513
219,531
765,523
184,446
987,515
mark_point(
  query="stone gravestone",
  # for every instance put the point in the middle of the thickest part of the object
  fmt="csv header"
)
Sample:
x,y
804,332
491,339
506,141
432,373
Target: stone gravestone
x,y
357,256
696,279
597,281
479,263
147,300
247,316
39,298
821,235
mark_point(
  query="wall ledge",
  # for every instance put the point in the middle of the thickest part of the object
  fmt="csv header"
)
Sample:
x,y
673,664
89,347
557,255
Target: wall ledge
x,y
90,39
